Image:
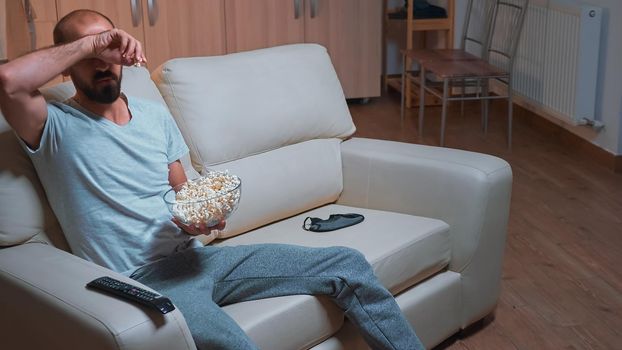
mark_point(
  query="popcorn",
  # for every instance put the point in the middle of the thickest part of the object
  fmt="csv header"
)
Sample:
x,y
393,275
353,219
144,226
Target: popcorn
x,y
206,200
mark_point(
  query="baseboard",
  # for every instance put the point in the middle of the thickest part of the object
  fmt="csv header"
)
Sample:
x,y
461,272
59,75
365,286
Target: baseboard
x,y
571,136
569,140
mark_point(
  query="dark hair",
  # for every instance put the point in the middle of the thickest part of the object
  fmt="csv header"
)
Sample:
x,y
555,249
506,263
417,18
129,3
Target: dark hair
x,y
59,28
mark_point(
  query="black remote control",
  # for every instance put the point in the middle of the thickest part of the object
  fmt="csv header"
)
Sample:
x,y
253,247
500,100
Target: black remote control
x,y
137,294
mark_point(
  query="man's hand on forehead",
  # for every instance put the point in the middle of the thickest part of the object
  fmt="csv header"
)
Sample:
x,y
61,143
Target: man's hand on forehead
x,y
117,47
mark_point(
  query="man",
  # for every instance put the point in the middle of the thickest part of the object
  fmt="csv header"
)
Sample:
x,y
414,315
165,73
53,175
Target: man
x,y
105,159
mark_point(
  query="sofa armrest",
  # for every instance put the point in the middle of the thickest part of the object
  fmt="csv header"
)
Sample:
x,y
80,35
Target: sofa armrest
x,y
470,191
45,305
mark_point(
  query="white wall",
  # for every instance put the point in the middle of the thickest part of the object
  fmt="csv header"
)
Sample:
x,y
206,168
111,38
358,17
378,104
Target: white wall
x,y
609,88
609,93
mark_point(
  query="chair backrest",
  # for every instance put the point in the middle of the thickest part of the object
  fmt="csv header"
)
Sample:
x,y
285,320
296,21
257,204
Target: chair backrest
x,y
477,24
505,32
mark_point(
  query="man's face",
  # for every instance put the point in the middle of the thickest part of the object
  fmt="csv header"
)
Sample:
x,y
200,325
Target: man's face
x,y
99,81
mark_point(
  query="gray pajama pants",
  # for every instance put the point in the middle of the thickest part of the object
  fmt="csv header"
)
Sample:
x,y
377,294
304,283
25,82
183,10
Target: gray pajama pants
x,y
200,280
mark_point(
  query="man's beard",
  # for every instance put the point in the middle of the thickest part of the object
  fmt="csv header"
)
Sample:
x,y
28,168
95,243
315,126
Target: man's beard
x,y
107,93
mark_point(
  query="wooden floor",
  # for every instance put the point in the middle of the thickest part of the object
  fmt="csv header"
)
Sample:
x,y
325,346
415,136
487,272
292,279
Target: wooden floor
x,y
562,274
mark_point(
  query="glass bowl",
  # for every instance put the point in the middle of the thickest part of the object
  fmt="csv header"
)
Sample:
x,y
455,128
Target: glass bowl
x,y
208,199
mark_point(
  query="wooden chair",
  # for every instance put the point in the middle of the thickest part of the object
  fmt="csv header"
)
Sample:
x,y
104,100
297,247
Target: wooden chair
x,y
443,25
496,60
475,32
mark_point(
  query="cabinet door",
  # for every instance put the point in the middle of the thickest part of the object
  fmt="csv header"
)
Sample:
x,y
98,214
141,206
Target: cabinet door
x,y
44,13
121,13
183,28
351,30
255,24
20,39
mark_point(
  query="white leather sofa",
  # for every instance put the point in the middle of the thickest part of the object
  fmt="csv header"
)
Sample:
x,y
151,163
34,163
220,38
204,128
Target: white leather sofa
x,y
435,227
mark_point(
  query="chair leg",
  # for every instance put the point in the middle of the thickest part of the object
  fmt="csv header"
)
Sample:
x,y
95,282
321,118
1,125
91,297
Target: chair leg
x,y
408,89
421,99
444,111
510,111
402,108
485,105
462,101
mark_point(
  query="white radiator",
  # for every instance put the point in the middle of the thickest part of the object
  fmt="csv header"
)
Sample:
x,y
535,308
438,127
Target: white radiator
x,y
556,67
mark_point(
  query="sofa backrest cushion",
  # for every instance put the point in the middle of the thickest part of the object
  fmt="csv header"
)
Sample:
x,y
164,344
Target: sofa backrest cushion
x,y
24,211
233,106
274,117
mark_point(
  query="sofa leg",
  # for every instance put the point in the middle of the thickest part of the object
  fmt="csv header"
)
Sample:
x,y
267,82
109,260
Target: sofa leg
x,y
467,332
477,326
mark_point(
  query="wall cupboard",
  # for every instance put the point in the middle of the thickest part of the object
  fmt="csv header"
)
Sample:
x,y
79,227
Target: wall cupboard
x,y
350,29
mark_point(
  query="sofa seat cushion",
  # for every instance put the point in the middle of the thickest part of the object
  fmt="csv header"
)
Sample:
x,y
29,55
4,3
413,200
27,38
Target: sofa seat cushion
x,y
289,322
403,250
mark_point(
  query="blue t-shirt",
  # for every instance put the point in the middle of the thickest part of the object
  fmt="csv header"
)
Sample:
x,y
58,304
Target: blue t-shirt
x,y
105,182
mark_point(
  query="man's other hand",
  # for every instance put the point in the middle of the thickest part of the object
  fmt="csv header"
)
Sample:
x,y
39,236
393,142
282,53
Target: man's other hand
x,y
202,229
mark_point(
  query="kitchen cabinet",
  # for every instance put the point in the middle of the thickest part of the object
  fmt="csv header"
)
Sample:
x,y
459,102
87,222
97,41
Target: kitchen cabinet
x,y
29,26
256,24
349,29
183,28
167,29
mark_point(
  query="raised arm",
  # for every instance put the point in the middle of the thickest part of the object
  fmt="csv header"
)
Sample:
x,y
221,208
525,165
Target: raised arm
x,y
20,101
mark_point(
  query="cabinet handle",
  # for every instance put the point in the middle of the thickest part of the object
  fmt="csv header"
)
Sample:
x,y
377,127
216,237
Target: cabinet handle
x,y
136,12
152,10
30,19
314,8
296,9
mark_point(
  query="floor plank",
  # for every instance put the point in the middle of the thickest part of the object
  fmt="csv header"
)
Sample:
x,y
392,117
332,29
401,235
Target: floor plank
x,y
562,275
